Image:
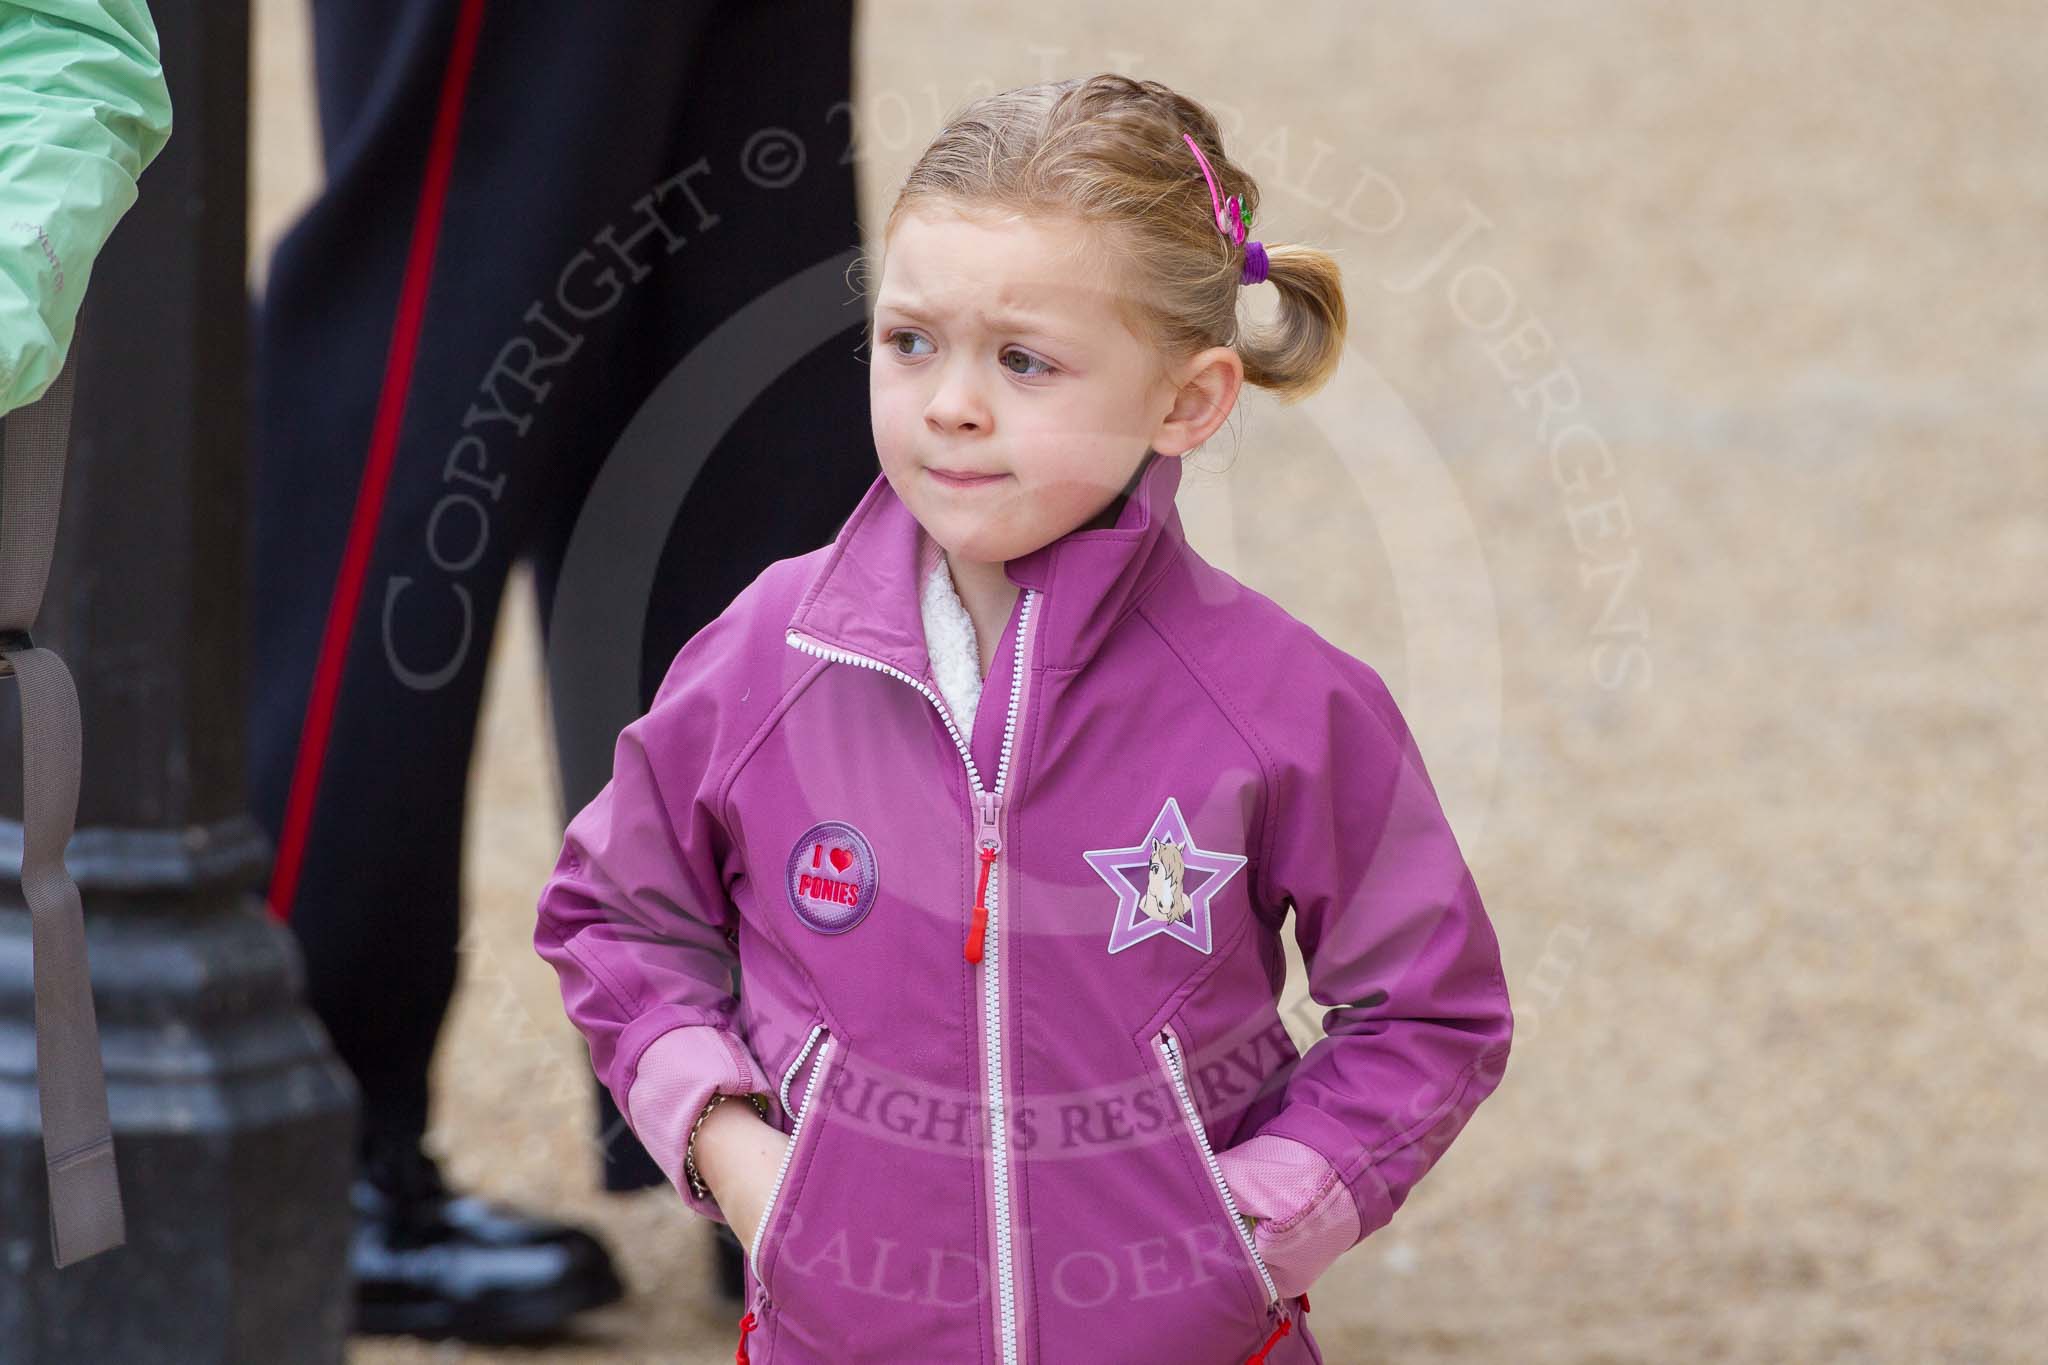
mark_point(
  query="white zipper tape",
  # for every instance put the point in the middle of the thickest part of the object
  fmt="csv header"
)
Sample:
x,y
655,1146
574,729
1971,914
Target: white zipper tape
x,y
1175,1064
782,1168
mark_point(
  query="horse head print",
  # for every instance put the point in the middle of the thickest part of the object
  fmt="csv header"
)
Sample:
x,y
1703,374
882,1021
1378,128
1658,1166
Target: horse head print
x,y
1164,896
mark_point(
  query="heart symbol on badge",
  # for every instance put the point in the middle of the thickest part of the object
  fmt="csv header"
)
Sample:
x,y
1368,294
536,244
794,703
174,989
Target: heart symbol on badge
x,y
842,858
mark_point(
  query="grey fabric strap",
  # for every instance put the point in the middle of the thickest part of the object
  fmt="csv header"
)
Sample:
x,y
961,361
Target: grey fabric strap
x,y
71,1086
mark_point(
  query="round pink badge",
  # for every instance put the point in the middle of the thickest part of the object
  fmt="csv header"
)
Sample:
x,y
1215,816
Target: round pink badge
x,y
832,877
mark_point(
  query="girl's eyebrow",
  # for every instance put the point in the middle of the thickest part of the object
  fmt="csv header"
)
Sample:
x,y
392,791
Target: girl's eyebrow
x,y
1026,322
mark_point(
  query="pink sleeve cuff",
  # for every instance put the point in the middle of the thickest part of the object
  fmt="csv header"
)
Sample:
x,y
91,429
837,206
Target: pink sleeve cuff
x,y
678,1074
1306,1216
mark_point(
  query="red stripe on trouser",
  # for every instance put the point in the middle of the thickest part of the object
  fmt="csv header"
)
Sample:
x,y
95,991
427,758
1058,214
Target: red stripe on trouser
x,y
362,531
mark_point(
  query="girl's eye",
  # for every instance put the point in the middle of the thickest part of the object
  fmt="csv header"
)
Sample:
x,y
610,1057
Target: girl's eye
x,y
891,339
1029,359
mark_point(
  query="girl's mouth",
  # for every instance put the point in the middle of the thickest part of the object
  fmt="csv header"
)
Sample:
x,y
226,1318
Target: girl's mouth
x,y
953,479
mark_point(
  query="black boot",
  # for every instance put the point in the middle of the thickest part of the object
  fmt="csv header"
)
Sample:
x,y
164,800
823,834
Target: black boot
x,y
432,1263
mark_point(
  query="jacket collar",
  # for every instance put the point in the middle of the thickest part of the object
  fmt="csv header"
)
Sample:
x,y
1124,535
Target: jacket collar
x,y
864,598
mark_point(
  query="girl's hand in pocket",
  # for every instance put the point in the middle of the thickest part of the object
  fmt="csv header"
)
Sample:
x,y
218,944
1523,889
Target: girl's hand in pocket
x,y
1301,1217
738,1155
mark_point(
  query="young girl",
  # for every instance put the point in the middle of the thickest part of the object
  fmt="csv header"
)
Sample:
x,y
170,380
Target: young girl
x,y
1014,1085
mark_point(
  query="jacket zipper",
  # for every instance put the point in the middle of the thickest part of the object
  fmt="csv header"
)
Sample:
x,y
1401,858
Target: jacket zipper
x,y
788,1152
982,940
1175,1064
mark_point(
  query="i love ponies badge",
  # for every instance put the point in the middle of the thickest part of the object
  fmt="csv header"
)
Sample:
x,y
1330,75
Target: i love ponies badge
x,y
832,877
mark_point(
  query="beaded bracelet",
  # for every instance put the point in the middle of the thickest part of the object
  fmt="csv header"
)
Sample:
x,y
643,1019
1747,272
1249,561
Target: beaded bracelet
x,y
697,1185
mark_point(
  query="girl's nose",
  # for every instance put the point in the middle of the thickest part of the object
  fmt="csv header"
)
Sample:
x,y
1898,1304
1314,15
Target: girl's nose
x,y
958,404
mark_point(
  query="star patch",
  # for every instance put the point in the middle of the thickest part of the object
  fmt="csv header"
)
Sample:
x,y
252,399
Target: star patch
x,y
1159,900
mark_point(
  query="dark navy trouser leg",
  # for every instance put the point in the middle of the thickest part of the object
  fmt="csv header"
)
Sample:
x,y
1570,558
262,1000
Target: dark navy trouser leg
x,y
568,117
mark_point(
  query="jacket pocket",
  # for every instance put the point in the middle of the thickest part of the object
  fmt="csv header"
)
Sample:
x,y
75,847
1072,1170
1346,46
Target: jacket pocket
x,y
1173,1058
801,1103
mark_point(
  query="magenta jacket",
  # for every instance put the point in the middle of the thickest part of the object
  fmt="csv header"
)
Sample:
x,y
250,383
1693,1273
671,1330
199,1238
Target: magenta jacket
x,y
1011,979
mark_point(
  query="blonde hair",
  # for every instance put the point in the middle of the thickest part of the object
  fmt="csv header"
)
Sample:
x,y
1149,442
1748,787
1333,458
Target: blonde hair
x,y
1108,151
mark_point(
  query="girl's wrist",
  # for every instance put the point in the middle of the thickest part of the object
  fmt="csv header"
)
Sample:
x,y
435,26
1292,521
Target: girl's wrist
x,y
713,1135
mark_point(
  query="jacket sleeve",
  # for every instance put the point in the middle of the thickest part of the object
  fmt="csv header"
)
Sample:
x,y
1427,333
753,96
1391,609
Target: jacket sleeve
x,y
86,109
636,919
1398,948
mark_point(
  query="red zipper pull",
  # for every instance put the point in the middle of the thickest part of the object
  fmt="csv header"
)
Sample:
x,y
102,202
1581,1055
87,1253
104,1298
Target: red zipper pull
x,y
747,1324
978,931
989,808
1258,1357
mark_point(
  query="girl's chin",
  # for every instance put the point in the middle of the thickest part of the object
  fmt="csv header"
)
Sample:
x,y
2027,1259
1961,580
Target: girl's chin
x,y
968,541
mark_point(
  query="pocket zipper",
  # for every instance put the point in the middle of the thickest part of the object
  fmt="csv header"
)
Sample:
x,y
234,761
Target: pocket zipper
x,y
788,1152
782,1092
1170,1045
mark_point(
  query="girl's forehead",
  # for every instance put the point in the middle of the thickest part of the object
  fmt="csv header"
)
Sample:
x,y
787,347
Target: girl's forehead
x,y
1010,268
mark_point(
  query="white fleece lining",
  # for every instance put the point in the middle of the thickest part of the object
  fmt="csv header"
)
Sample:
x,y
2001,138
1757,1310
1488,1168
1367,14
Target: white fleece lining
x,y
949,638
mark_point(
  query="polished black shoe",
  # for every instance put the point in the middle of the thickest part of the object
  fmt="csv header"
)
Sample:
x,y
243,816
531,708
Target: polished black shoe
x,y
429,1262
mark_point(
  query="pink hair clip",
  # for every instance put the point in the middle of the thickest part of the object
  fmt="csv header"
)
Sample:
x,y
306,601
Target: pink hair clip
x,y
1231,222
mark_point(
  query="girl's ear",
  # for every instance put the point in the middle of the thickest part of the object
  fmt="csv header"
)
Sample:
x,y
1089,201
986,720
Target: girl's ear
x,y
1205,390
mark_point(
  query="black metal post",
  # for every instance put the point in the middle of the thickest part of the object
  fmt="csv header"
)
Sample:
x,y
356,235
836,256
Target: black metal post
x,y
234,1123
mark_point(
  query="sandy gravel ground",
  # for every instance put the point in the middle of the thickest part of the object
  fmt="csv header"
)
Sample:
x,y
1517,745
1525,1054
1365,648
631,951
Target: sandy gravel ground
x,y
1771,907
